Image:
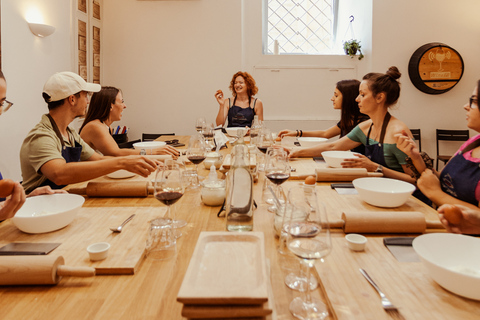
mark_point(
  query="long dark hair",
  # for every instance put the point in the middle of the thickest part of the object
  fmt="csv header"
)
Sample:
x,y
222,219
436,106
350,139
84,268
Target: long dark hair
x,y
100,104
385,82
350,111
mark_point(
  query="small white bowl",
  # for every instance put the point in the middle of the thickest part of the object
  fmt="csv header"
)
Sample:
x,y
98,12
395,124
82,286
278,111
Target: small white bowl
x,y
452,260
310,141
232,131
356,242
335,158
47,213
383,192
149,145
98,251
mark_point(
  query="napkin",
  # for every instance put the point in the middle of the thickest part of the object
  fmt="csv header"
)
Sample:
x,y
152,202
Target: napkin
x,y
220,139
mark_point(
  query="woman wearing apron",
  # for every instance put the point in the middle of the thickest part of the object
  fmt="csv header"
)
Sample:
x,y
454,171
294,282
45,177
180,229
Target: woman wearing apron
x,y
240,110
378,92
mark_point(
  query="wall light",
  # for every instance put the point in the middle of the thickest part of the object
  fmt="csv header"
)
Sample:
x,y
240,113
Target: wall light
x,y
41,30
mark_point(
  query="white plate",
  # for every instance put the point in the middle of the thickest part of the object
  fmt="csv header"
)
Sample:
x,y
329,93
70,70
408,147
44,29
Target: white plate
x,y
120,174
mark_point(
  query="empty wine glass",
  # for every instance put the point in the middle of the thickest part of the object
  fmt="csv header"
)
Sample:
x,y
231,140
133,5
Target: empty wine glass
x,y
169,188
308,239
264,140
200,124
196,151
208,133
277,170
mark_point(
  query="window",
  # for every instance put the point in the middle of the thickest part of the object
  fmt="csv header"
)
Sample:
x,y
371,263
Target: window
x,y
299,26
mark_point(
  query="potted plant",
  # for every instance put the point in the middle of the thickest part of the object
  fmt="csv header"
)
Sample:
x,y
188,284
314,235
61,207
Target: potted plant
x,y
351,48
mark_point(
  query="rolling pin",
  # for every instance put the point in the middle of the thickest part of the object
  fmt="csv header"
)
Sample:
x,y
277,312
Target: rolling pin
x,y
27,270
344,174
115,189
385,222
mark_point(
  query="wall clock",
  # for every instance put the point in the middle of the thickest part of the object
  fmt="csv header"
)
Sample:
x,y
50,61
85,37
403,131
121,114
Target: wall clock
x,y
435,68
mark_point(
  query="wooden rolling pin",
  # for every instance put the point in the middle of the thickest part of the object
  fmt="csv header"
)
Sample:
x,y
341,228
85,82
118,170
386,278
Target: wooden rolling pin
x,y
27,270
385,222
344,174
115,189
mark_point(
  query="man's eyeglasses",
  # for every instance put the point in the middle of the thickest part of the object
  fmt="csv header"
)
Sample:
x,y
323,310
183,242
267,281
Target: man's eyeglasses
x,y
473,100
5,105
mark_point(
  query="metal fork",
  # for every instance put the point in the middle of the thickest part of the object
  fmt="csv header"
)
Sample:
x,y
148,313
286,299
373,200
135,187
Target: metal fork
x,y
387,305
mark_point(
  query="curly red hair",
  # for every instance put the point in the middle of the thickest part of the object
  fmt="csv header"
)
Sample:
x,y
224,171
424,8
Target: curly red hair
x,y
252,88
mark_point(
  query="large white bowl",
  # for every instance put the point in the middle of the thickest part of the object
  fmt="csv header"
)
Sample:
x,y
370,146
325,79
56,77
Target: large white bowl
x,y
335,158
383,192
452,261
47,213
149,145
232,131
310,141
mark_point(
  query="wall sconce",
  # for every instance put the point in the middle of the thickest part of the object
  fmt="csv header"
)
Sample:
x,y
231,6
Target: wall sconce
x,y
41,30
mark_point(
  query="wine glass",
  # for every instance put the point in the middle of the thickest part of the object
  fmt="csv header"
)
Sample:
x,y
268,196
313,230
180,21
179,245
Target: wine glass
x,y
264,140
169,188
308,239
277,170
196,151
200,124
208,133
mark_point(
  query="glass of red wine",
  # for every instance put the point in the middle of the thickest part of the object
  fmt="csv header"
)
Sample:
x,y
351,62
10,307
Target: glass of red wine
x,y
196,152
277,170
169,188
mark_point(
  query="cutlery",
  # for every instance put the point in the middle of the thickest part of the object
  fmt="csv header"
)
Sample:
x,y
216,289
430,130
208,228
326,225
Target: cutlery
x,y
120,227
386,304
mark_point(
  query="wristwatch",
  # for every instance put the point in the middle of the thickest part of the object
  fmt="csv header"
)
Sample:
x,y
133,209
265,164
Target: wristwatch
x,y
379,168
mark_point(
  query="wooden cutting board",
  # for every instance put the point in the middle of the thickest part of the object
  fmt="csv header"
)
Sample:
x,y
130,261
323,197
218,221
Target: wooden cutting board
x,y
303,168
92,225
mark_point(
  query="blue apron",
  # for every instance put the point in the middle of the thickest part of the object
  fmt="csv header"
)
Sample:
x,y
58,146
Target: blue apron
x,y
241,117
70,154
1,199
460,176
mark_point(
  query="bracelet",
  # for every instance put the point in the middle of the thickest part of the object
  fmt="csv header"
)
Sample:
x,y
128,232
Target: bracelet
x,y
297,134
301,133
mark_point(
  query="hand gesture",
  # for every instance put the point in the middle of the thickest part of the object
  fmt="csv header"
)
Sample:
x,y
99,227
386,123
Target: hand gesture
x,y
219,97
14,202
287,133
406,144
360,162
469,220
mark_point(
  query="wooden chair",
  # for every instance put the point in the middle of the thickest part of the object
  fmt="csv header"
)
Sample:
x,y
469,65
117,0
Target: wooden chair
x,y
418,138
153,136
449,135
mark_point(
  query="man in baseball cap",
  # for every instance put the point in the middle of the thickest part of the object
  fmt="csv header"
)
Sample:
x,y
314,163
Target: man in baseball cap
x,y
53,154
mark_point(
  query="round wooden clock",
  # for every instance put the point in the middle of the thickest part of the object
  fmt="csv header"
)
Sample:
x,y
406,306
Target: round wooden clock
x,y
435,68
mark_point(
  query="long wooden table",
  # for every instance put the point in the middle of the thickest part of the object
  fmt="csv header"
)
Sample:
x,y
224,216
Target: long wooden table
x,y
151,292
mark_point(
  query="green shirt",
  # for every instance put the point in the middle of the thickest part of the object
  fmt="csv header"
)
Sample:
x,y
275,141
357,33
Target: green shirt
x,y
42,145
394,158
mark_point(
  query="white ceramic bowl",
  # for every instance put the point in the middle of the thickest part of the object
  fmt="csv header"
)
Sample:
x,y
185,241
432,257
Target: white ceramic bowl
x,y
149,145
356,242
383,192
120,174
98,251
335,158
452,261
232,132
47,213
310,141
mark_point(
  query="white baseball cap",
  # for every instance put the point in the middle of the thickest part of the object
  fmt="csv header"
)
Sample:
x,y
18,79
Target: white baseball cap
x,y
63,84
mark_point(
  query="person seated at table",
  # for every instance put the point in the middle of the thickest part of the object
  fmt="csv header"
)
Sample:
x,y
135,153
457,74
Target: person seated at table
x,y
106,107
469,222
15,200
459,181
242,107
346,91
378,92
55,155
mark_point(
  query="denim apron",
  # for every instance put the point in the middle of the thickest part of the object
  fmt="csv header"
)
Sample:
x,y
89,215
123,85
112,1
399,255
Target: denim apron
x,y
1,199
241,117
374,152
460,176
70,154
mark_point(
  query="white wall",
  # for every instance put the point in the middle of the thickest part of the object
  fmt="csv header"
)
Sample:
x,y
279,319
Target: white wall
x,y
27,62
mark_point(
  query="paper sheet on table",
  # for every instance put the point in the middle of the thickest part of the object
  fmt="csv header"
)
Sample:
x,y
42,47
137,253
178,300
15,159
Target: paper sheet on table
x,y
346,190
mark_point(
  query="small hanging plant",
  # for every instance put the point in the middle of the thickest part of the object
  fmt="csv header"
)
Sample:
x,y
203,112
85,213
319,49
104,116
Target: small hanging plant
x,y
351,48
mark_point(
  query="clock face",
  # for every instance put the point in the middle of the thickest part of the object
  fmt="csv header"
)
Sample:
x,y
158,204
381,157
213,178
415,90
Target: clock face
x,y
435,68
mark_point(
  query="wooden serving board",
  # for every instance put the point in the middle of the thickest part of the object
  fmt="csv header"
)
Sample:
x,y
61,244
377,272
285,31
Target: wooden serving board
x,y
227,268
303,168
92,225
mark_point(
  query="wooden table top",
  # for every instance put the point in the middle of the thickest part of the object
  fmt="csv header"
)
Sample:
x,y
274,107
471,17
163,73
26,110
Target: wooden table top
x,y
151,292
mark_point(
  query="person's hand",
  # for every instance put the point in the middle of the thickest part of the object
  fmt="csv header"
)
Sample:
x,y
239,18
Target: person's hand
x,y
469,222
14,202
45,190
287,133
406,144
140,165
360,162
428,183
167,150
219,97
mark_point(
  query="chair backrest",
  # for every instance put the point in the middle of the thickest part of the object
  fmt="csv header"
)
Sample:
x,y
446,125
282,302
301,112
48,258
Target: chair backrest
x,y
418,138
452,135
153,136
